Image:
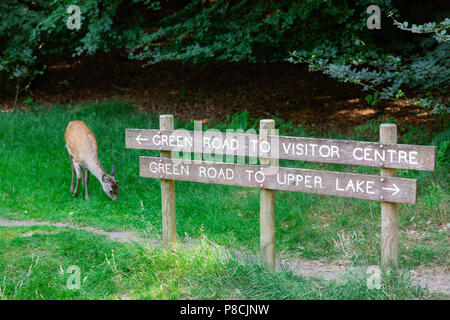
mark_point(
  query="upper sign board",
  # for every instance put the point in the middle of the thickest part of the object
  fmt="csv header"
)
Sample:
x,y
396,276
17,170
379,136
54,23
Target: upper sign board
x,y
361,153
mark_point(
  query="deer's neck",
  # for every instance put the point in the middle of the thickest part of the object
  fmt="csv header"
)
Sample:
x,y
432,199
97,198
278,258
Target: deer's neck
x,y
96,169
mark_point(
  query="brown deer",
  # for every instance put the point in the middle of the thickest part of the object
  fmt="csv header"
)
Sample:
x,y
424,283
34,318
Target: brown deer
x,y
82,147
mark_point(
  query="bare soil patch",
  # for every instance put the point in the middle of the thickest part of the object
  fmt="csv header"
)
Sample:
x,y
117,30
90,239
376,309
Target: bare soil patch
x,y
215,91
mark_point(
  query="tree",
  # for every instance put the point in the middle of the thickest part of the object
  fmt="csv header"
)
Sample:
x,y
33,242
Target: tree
x,y
330,35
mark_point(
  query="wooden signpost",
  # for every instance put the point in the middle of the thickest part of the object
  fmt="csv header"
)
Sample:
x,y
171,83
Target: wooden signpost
x,y
268,147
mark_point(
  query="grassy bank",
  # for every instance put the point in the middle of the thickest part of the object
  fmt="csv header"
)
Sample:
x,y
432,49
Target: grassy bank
x,y
36,263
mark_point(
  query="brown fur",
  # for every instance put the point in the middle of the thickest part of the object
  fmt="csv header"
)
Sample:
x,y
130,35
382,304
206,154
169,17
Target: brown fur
x,y
80,141
82,147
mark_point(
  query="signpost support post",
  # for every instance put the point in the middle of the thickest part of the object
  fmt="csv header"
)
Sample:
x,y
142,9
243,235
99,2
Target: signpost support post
x,y
267,206
169,228
389,210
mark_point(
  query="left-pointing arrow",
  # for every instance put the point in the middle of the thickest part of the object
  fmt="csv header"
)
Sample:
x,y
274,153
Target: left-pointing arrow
x,y
139,139
395,189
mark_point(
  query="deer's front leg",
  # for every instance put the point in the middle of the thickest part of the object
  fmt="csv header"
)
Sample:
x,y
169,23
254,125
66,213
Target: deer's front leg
x,y
86,184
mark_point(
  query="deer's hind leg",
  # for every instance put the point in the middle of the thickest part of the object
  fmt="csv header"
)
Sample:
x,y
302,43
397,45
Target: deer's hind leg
x,y
79,172
73,173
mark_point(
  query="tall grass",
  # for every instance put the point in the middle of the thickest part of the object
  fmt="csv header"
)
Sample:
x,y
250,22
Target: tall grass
x,y
35,262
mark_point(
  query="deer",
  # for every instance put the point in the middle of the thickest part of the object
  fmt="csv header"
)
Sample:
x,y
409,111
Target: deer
x,y
82,148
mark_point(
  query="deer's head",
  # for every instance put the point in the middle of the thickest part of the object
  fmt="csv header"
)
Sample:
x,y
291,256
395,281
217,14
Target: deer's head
x,y
110,185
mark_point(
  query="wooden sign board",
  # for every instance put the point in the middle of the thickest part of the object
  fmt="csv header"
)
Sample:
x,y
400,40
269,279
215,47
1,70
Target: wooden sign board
x,y
360,153
390,189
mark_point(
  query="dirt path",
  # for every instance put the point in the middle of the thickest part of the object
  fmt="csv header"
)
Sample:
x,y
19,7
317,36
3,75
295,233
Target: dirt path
x,y
437,279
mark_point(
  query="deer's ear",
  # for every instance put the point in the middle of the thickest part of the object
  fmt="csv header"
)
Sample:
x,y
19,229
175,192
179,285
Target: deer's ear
x,y
104,178
113,171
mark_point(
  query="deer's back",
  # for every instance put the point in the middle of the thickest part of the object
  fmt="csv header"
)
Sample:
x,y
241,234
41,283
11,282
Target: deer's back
x,y
80,141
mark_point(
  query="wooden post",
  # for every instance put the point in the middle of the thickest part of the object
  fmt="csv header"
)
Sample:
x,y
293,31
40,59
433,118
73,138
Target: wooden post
x,y
389,210
267,207
169,227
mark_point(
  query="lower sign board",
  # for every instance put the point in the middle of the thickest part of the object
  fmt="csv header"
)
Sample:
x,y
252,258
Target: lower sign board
x,y
389,189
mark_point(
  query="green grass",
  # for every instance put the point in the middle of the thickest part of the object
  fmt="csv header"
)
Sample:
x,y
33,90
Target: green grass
x,y
35,176
35,262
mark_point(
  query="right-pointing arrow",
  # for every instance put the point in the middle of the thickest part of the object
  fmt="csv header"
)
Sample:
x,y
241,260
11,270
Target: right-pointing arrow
x,y
395,189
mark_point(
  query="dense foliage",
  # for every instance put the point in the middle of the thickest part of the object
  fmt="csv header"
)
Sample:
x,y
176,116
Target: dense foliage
x,y
34,34
330,35
385,68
